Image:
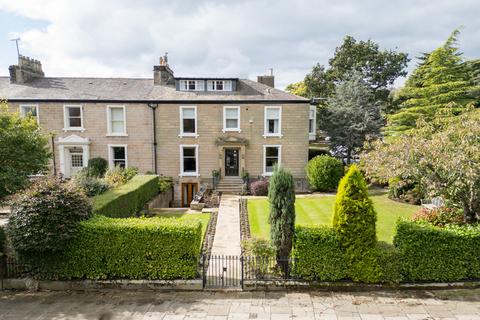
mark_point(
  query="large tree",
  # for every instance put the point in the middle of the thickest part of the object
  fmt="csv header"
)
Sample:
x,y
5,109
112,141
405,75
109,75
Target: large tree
x,y
351,116
442,156
443,80
379,68
23,150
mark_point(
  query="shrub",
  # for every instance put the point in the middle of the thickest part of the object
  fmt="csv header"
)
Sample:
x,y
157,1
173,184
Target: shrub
x,y
45,216
324,173
440,216
133,248
127,199
430,253
164,184
281,197
354,219
118,175
318,254
388,258
259,187
90,185
97,167
259,255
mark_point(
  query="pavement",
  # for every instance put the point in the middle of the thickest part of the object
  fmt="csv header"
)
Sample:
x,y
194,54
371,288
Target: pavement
x,y
136,305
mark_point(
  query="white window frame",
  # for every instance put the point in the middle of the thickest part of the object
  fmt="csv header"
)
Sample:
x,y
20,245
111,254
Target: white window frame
x,y
197,164
265,123
312,134
265,173
109,121
184,85
225,129
65,118
212,85
23,114
188,134
110,154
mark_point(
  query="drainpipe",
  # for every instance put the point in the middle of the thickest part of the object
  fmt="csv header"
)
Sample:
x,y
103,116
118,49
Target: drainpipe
x,y
154,106
53,155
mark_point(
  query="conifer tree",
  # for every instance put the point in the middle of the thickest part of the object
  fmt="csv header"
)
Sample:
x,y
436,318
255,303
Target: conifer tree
x,y
281,195
354,219
443,84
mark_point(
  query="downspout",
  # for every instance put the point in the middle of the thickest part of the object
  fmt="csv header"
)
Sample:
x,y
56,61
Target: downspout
x,y
53,155
154,106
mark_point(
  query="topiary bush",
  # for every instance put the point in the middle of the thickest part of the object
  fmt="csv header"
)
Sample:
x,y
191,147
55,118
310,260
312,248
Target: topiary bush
x,y
318,254
128,199
259,187
354,219
430,253
132,248
97,167
324,173
45,216
281,197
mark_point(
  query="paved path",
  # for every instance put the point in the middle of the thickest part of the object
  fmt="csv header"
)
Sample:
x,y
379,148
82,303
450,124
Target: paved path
x,y
136,305
227,232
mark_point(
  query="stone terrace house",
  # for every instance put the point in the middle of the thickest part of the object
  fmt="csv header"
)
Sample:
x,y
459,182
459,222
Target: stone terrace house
x,y
181,127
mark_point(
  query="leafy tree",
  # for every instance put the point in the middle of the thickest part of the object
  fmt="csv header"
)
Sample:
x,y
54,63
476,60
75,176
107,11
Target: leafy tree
x,y
442,156
298,88
351,117
354,219
379,68
281,195
443,80
45,216
23,150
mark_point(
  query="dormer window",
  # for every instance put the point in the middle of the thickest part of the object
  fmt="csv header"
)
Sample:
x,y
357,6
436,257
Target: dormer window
x,y
192,85
219,85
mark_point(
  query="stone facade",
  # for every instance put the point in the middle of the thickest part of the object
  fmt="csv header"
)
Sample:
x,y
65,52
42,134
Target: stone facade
x,y
211,140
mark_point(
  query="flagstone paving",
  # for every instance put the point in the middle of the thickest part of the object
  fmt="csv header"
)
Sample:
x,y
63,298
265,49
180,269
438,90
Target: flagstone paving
x,y
112,305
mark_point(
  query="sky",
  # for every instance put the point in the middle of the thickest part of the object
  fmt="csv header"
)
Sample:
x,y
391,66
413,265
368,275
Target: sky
x,y
243,38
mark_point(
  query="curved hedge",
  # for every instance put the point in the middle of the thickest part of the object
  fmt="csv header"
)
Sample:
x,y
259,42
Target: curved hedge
x,y
429,253
132,248
318,254
128,199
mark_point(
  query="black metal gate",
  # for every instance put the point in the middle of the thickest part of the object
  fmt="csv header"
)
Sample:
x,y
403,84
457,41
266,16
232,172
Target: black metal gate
x,y
222,271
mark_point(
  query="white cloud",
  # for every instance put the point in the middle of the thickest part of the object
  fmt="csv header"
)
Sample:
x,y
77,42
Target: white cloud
x,y
226,38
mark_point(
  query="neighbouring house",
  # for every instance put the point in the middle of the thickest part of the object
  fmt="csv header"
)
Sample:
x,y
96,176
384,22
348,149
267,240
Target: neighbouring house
x,y
183,127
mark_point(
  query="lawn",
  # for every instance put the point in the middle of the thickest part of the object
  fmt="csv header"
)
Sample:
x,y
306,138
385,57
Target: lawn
x,y
202,217
318,210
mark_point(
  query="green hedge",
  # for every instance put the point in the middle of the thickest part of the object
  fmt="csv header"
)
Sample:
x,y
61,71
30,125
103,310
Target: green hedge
x,y
318,254
128,199
132,248
2,240
431,253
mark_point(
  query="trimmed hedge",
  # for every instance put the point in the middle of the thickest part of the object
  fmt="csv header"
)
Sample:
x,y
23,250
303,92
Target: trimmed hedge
x,y
324,173
132,248
318,254
430,253
128,199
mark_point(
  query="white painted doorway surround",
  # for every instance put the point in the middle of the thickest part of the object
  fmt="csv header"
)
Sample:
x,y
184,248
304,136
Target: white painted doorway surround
x,y
73,153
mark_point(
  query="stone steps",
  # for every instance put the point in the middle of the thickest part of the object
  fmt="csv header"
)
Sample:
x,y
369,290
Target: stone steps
x,y
230,185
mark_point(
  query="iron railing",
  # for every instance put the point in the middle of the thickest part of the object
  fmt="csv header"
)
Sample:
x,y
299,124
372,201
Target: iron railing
x,y
216,271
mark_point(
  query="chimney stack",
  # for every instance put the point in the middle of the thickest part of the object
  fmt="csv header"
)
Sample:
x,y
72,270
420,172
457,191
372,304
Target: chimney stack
x,y
268,79
27,70
162,74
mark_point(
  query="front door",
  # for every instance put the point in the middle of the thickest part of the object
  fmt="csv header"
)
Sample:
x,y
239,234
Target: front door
x,y
188,192
75,159
231,161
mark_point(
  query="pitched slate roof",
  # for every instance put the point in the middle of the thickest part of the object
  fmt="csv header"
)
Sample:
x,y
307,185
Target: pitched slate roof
x,y
133,90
